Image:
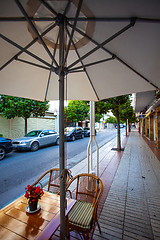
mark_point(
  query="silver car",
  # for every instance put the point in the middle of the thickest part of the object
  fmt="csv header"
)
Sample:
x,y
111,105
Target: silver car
x,y
36,139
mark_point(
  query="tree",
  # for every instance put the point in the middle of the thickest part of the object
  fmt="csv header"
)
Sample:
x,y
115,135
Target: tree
x,y
76,111
111,119
114,105
11,107
127,113
98,117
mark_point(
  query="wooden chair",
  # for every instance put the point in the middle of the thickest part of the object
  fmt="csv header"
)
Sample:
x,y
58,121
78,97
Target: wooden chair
x,y
50,180
87,190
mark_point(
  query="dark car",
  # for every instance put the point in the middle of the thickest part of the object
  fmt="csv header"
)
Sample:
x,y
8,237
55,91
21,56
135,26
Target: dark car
x,y
121,126
87,131
73,133
5,147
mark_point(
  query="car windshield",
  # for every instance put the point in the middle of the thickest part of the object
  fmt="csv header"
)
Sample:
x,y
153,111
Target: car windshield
x,y
33,134
68,129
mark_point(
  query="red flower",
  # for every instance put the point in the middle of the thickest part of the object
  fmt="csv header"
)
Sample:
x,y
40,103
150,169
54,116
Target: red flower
x,y
37,190
33,193
26,194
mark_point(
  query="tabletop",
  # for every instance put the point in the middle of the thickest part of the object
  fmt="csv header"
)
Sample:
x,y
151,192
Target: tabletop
x,y
16,223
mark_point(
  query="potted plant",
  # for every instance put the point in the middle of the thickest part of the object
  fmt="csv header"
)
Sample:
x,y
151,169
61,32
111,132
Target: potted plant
x,y
33,193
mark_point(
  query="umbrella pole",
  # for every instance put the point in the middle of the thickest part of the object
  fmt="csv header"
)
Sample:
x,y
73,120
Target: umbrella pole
x,y
61,131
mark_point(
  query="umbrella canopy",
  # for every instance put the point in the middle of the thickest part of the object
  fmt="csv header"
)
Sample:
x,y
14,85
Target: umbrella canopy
x,y
89,50
111,48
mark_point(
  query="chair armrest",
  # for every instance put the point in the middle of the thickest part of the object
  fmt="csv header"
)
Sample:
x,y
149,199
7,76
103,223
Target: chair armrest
x,y
69,193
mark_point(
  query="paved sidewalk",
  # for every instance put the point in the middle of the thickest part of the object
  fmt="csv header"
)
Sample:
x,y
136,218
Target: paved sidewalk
x,y
108,164
132,208
130,204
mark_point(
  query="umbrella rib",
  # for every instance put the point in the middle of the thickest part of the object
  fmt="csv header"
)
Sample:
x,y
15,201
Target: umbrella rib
x,y
30,63
23,19
49,7
114,56
131,24
29,45
83,66
114,19
90,39
81,19
77,71
23,50
35,30
49,77
73,29
55,49
67,7
91,64
139,74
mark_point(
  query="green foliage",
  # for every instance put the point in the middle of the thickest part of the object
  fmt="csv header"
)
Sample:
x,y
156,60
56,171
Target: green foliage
x,y
98,117
101,107
111,120
127,112
114,104
11,107
76,111
79,111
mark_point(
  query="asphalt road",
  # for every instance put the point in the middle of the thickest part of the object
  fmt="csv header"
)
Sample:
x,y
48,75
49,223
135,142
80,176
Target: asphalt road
x,y
19,169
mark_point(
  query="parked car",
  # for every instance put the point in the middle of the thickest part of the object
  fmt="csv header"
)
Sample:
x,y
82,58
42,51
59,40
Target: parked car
x,y
87,131
121,126
73,133
36,139
5,147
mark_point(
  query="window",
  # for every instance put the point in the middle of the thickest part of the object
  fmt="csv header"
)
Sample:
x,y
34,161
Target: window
x,y
51,132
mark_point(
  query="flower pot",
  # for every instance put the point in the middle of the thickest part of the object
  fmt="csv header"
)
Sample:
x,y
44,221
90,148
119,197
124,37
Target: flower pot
x,y
33,205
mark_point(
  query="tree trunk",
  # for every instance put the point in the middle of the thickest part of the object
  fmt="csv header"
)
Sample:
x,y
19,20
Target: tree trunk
x,y
118,131
126,128
25,129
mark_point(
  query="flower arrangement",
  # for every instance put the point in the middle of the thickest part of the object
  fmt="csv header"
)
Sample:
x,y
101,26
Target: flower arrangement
x,y
33,193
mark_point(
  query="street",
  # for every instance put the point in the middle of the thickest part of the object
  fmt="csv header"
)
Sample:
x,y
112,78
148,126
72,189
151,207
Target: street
x,y
18,169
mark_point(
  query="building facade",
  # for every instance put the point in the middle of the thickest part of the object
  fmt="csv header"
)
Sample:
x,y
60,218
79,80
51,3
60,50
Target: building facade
x,y
149,121
15,128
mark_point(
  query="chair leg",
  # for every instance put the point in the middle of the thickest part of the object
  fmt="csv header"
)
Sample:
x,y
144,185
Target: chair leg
x,y
99,228
86,236
67,228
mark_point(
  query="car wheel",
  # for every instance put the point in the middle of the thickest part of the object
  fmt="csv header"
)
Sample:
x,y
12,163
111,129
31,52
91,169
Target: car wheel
x,y
2,153
82,136
73,138
34,146
57,141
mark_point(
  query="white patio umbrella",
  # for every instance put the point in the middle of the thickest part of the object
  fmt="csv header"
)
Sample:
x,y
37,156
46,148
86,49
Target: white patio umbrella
x,y
78,50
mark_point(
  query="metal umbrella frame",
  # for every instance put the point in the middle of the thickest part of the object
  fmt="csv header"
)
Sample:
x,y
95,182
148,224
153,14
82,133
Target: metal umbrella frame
x,y
64,19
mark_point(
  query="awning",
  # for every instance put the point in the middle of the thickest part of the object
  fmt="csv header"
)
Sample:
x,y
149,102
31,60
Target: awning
x,y
144,100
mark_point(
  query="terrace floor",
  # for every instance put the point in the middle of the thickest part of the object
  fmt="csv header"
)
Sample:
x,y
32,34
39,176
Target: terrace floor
x,y
130,206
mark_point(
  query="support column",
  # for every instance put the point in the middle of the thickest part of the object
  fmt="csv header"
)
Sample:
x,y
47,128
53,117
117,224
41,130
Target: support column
x,y
151,134
143,126
92,139
157,127
147,127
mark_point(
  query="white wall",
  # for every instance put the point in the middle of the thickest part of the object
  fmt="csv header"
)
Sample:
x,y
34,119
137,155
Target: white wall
x,y
14,128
